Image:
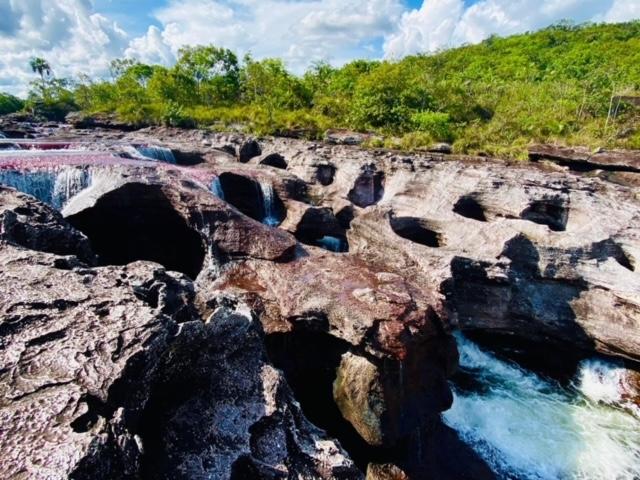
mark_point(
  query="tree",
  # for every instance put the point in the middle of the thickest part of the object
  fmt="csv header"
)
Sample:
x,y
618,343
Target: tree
x,y
215,71
9,103
40,66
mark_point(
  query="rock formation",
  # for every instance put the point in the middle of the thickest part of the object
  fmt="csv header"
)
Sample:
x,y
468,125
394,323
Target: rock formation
x,y
284,309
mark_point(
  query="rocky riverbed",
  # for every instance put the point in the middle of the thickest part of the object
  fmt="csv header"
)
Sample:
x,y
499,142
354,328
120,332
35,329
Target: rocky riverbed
x,y
183,304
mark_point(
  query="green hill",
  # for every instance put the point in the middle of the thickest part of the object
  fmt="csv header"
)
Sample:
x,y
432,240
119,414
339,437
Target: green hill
x,y
561,84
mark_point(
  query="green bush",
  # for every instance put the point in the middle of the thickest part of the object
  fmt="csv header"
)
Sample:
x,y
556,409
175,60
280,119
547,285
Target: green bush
x,y
10,104
436,124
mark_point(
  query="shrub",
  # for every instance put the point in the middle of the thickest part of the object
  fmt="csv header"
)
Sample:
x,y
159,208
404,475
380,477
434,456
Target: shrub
x,y
436,124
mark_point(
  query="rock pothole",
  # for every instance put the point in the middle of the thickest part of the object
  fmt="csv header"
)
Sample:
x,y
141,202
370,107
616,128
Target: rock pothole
x,y
274,160
417,230
138,222
321,228
325,174
368,189
468,206
552,212
256,200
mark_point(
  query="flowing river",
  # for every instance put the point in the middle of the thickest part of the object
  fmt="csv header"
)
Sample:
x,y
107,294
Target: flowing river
x,y
529,427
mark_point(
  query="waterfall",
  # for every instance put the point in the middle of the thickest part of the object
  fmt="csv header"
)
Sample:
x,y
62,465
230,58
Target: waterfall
x,y
161,154
526,426
333,244
2,135
54,187
216,188
268,200
38,184
69,182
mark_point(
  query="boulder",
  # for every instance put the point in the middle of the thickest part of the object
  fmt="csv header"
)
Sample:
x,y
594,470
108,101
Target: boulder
x,y
36,226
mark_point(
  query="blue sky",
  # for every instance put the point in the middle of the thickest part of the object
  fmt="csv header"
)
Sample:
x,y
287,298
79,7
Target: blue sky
x,y
83,36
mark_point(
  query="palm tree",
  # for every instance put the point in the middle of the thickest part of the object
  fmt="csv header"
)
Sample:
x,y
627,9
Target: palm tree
x,y
40,66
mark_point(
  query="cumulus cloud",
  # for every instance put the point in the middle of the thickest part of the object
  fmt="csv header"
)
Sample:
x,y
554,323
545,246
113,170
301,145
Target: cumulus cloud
x,y
623,10
298,31
74,38
444,23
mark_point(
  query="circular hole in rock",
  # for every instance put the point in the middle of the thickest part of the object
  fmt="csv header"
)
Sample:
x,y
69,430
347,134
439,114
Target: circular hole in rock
x,y
469,207
137,222
417,230
325,174
552,212
256,200
274,160
368,188
321,228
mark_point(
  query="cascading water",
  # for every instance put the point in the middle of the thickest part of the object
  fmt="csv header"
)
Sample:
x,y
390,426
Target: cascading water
x,y
216,188
161,154
268,199
528,427
54,187
69,182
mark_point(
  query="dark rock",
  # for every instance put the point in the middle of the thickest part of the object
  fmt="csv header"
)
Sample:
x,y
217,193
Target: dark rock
x,y
33,225
582,159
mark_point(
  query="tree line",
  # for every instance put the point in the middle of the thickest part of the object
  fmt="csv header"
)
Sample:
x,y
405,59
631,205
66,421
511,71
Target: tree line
x,y
555,85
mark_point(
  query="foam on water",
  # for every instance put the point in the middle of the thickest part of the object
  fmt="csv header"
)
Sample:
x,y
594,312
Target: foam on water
x,y
529,427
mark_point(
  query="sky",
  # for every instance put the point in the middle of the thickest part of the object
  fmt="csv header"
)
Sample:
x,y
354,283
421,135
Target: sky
x,y
83,36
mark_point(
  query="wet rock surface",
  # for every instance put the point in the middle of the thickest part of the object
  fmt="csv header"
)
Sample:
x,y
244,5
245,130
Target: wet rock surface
x,y
165,328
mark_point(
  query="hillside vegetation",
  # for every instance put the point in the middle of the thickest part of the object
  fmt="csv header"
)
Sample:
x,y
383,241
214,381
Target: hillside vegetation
x,y
561,84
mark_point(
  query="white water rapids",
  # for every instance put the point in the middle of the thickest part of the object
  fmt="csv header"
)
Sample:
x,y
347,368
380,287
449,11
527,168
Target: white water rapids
x,y
528,427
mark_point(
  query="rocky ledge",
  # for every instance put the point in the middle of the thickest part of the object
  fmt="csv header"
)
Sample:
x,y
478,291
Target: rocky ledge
x,y
277,308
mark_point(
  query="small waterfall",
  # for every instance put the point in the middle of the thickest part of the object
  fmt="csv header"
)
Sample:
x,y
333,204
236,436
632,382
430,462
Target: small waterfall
x,y
38,184
268,199
2,135
216,188
529,427
333,244
161,154
69,182
54,187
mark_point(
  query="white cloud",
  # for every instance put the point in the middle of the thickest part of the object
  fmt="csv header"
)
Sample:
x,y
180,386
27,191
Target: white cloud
x,y
426,29
150,48
443,23
623,10
298,31
68,33
76,38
